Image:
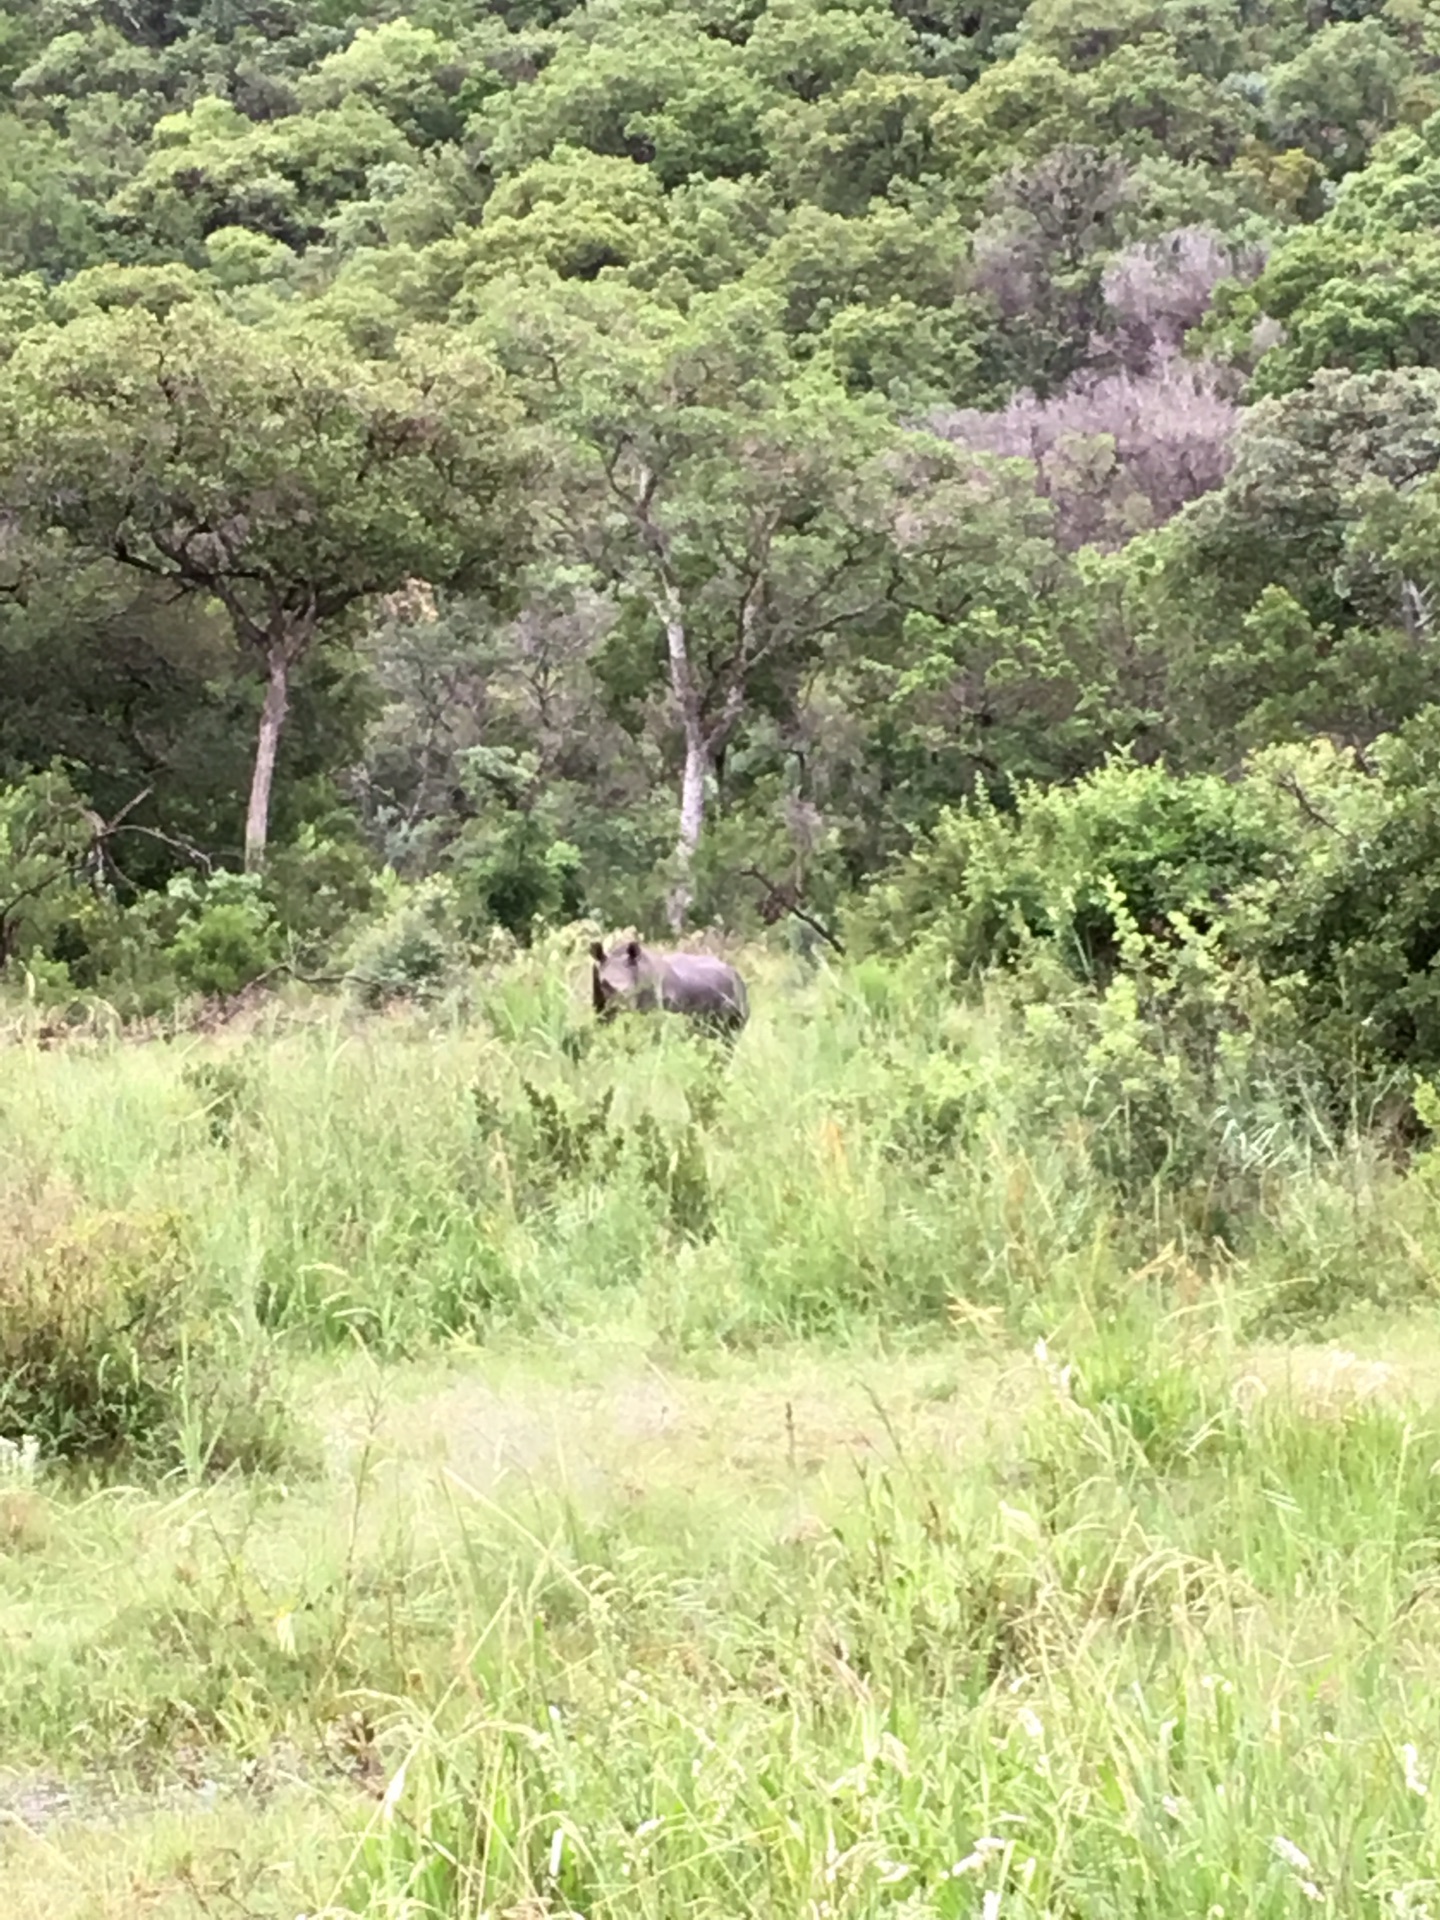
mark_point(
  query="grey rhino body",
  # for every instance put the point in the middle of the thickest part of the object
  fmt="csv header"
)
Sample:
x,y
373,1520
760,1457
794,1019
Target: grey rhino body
x,y
708,990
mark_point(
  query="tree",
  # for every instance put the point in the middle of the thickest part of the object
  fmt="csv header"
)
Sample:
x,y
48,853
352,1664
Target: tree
x,y
44,224
956,37
808,48
885,299
1339,93
1356,290
287,483
211,167
419,80
496,756
636,85
140,691
1039,260
851,147
728,499
576,213
956,681
1115,455
1284,613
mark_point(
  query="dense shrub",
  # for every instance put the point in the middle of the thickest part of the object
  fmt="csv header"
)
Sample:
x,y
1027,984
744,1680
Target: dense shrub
x,y
1216,940
1355,932
77,929
512,864
1071,867
228,933
109,1352
413,952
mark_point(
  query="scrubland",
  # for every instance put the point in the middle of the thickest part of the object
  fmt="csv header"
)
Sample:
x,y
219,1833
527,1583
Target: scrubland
x,y
486,1466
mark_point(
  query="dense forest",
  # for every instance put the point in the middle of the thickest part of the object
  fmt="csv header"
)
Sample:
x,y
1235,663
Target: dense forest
x,y
968,473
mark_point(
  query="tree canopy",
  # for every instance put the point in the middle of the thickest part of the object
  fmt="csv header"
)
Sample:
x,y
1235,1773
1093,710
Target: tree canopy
x,y
801,418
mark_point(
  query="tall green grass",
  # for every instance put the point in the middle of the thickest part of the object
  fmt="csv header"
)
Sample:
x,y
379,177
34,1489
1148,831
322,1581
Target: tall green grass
x,y
870,1154
1168,1652
1154,1636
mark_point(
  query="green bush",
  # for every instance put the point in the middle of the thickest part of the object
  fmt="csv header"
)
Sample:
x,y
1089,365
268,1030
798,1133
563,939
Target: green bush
x,y
1354,929
512,863
108,1352
1280,927
414,952
319,885
56,909
1073,867
227,934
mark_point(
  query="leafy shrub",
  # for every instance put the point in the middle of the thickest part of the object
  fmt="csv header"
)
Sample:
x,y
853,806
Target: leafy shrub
x,y
412,953
107,1352
512,864
566,1135
54,909
319,885
1216,976
1355,929
1291,915
227,935
76,933
1074,867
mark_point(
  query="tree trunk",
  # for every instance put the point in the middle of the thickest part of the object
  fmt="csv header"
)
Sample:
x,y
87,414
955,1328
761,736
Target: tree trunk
x,y
697,763
692,821
262,779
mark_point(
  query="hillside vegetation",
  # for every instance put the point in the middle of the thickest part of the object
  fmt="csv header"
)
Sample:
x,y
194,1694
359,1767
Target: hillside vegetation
x,y
941,503
658,462
549,1473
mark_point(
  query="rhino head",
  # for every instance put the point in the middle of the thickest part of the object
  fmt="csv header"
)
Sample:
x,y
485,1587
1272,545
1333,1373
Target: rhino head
x,y
616,977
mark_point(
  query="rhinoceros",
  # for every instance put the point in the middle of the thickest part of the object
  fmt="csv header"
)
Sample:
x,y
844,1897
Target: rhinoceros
x,y
710,991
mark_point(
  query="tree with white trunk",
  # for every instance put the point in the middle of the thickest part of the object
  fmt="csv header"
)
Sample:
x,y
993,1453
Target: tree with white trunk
x,y
736,498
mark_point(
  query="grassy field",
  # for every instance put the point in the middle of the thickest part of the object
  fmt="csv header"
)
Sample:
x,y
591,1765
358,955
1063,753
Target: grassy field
x,y
612,1476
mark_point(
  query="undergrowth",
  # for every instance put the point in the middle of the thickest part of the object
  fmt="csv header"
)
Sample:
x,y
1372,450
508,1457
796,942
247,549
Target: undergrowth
x,y
874,1153
1151,1633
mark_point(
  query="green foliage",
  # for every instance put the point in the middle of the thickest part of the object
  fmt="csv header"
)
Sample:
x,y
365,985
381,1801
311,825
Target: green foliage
x,y
403,465
227,1089
412,951
319,884
510,871
1285,618
418,79
835,334
46,227
110,1354
1339,93
576,213
1244,936
276,477
211,167
1362,938
45,839
1076,866
227,933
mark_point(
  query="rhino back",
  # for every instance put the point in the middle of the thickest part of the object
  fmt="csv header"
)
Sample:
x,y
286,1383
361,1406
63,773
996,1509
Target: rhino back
x,y
699,983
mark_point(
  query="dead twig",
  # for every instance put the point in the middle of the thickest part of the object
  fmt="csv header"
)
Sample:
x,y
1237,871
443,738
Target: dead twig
x,y
782,898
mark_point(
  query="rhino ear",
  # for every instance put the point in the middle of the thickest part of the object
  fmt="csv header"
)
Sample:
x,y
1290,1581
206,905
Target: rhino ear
x,y
632,952
597,953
